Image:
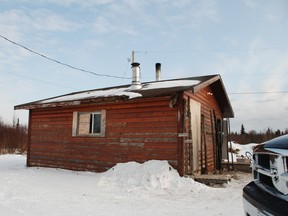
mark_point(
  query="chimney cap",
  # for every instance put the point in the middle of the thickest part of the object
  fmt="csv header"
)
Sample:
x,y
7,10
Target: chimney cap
x,y
135,64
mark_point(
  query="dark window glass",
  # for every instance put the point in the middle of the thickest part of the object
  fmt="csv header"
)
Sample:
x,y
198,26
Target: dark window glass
x,y
95,123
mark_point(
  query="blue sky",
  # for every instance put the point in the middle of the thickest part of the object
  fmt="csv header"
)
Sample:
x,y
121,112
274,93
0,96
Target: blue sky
x,y
245,41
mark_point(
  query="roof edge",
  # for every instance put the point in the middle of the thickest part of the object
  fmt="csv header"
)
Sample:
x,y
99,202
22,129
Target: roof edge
x,y
203,82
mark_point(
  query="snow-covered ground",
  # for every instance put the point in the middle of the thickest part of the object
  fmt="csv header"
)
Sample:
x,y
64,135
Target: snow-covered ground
x,y
153,188
241,150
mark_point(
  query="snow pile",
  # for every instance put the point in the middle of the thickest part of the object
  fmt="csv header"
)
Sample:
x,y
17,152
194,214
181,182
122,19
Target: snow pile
x,y
241,150
152,176
152,188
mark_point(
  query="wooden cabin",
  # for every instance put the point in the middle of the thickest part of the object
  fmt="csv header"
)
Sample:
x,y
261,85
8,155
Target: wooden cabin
x,y
177,120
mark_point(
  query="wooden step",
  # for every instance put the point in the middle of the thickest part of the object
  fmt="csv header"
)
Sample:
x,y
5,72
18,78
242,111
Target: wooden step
x,y
211,179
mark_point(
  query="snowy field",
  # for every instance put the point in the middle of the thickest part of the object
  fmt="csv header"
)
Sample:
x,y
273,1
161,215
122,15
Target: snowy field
x,y
152,188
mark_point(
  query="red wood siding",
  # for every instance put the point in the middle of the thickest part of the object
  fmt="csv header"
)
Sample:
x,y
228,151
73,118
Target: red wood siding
x,y
135,131
208,104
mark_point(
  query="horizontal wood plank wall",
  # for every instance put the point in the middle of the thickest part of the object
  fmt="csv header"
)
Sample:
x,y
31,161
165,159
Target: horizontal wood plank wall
x,y
208,103
135,131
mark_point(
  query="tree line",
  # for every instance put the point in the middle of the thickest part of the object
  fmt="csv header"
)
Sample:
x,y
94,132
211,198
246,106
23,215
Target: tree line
x,y
252,136
13,138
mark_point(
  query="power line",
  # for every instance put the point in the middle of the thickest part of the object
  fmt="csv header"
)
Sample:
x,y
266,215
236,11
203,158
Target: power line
x,y
59,62
256,74
38,80
143,52
251,93
213,50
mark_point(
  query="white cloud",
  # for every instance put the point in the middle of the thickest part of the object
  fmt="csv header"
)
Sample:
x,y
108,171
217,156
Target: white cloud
x,y
260,111
250,3
278,69
69,3
105,25
36,20
271,17
45,20
11,23
144,15
231,41
157,25
102,25
25,27
256,71
192,14
268,11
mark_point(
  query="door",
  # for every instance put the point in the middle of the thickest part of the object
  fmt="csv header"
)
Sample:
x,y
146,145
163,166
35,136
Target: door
x,y
195,111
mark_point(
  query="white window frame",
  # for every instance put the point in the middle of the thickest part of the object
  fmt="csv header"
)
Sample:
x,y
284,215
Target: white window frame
x,y
85,128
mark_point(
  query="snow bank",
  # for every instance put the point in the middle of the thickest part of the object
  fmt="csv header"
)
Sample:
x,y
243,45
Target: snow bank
x,y
240,150
12,162
152,188
153,176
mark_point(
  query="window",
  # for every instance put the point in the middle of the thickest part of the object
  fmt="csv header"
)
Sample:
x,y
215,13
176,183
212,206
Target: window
x,y
95,123
89,123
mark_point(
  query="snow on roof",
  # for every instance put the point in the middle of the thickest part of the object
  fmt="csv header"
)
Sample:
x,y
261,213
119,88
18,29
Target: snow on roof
x,y
94,94
121,91
170,84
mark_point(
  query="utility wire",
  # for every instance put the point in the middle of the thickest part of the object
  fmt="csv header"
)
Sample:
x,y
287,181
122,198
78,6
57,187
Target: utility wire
x,y
251,93
256,74
213,50
59,62
38,80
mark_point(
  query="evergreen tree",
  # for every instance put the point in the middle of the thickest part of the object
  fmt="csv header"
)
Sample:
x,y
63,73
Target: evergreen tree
x,y
277,133
242,132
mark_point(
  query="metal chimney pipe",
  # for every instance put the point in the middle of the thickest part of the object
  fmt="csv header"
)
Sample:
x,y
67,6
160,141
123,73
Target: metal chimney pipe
x,y
136,84
158,71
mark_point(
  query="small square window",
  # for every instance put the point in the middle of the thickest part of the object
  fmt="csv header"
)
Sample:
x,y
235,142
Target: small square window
x,y
89,123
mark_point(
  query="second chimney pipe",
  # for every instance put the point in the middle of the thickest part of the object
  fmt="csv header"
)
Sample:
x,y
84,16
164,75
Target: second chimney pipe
x,y
158,71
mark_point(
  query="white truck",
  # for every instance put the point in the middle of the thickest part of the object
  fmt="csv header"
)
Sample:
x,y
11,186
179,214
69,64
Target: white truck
x,y
267,194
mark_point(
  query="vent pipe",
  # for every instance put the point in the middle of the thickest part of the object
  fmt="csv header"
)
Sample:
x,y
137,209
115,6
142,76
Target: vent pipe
x,y
158,71
135,76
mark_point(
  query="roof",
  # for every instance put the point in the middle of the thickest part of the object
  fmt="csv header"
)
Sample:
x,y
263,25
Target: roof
x,y
148,90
